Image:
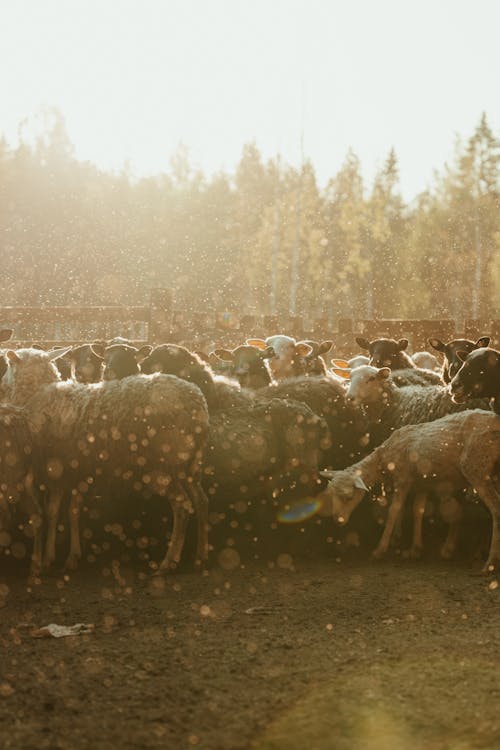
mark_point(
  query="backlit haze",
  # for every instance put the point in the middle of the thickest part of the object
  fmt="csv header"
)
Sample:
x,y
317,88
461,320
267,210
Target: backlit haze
x,y
135,79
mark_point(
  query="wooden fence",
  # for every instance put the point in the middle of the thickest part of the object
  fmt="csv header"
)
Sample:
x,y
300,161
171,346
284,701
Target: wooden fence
x,y
159,322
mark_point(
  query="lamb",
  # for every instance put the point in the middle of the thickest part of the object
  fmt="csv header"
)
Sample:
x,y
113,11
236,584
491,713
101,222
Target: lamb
x,y
452,363
478,376
122,360
388,407
254,442
391,353
18,495
443,455
148,433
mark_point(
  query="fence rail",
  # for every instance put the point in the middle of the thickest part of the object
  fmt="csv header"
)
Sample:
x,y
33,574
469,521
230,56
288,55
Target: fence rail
x,y
159,322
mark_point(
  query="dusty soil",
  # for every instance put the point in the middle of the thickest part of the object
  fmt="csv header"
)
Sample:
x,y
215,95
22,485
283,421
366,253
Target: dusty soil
x,y
277,653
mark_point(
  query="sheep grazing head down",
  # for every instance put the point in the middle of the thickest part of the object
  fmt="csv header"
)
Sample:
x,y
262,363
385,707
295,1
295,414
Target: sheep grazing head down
x,y
368,385
343,494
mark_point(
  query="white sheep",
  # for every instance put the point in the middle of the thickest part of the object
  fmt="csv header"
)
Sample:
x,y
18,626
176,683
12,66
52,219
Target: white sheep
x,y
148,432
287,353
443,456
389,407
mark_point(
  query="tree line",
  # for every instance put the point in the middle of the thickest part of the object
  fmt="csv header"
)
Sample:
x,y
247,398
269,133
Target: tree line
x,y
265,239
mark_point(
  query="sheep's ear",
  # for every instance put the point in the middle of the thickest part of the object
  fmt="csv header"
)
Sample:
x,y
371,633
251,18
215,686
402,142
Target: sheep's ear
x,y
325,347
384,373
342,372
362,342
302,350
402,344
98,347
483,341
12,357
358,482
259,343
58,353
225,354
462,355
143,352
6,334
328,473
340,363
438,345
97,353
268,353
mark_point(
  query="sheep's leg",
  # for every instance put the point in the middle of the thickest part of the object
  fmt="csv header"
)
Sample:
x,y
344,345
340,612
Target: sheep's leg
x,y
419,504
200,503
75,549
53,508
491,498
180,513
393,514
451,512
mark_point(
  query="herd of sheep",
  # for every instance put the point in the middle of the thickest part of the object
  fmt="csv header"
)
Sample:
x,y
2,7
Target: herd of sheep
x,y
269,419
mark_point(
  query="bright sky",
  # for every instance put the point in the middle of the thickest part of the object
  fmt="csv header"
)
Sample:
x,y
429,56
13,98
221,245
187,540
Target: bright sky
x,y
134,78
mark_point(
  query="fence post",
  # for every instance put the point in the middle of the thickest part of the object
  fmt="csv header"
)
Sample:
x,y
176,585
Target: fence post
x,y
160,315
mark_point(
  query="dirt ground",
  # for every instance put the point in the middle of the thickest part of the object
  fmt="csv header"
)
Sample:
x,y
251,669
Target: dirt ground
x,y
279,653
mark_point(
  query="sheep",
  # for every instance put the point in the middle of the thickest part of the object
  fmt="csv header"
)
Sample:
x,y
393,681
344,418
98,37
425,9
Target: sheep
x,y
149,432
18,494
479,376
314,363
250,438
391,353
357,361
288,354
388,407
247,364
452,363
444,455
122,360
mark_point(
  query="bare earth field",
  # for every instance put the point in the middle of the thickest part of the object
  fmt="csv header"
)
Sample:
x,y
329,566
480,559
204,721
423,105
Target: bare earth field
x,y
272,655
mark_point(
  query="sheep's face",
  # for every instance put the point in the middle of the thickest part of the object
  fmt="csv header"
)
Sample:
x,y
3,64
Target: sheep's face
x,y
387,352
288,355
122,360
452,361
313,364
368,385
479,375
247,364
87,364
342,495
32,366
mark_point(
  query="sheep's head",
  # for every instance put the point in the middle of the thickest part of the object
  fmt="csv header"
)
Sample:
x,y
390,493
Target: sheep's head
x,y
288,354
122,360
387,352
28,369
343,494
479,375
452,361
247,364
368,385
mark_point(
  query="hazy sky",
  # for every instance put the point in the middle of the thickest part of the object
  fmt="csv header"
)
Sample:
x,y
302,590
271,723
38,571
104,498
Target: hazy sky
x,y
134,78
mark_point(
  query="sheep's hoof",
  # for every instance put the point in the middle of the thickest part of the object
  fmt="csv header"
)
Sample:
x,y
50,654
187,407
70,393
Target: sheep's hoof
x,y
490,568
72,563
447,552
